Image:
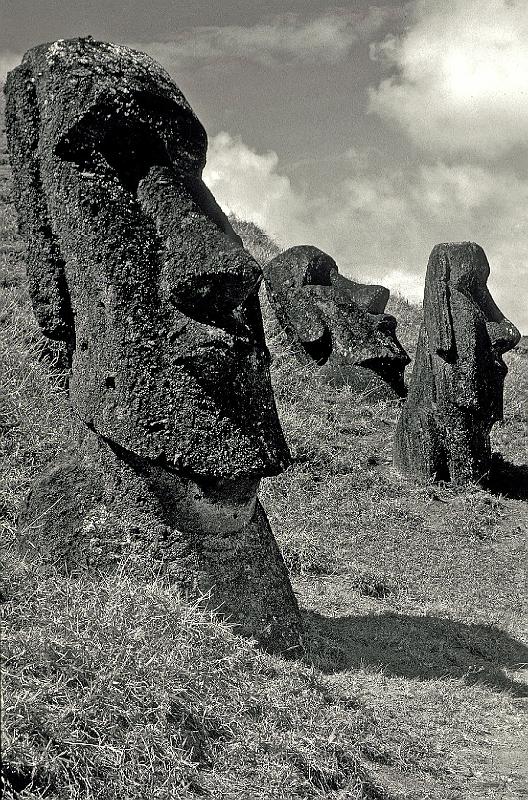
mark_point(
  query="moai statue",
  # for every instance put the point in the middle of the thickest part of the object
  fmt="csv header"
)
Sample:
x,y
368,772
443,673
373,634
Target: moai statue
x,y
455,393
336,322
134,265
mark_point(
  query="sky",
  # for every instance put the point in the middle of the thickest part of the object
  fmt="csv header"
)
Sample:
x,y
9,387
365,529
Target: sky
x,y
373,130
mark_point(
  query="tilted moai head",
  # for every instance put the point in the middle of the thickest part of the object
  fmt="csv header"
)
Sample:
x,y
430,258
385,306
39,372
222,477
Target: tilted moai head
x,y
456,390
133,264
132,261
336,322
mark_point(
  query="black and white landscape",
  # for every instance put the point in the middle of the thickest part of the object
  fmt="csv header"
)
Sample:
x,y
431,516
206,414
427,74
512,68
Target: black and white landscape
x,y
263,514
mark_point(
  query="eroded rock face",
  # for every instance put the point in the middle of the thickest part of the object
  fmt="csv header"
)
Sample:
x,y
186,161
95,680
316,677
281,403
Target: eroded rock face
x,y
133,264
336,322
456,389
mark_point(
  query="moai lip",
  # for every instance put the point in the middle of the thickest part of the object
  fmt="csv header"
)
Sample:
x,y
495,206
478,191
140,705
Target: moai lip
x,y
336,322
134,265
456,390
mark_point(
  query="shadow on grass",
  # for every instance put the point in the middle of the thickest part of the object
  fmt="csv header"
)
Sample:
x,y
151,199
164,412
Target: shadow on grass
x,y
507,479
415,647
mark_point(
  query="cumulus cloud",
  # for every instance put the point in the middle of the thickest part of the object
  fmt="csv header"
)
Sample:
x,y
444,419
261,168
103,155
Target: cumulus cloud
x,y
383,227
286,38
250,186
405,284
459,76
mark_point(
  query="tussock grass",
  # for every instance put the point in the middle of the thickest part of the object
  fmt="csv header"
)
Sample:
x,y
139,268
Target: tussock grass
x,y
115,689
511,436
34,418
7,224
261,247
409,318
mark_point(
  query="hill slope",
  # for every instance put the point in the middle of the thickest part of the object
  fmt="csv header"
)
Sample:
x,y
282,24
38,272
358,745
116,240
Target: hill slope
x,y
412,686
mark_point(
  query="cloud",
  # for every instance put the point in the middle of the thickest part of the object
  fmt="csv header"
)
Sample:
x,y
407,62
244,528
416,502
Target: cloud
x,y
248,184
286,38
383,227
459,76
405,284
8,61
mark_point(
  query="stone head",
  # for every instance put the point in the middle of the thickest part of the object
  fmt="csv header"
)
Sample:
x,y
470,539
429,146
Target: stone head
x,y
112,114
131,259
464,326
334,321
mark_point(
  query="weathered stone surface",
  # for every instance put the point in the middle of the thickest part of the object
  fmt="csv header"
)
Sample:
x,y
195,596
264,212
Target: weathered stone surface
x,y
133,263
161,290
336,322
455,393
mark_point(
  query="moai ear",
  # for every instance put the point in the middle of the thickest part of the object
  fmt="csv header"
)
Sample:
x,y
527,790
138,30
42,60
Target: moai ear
x,y
437,306
303,316
45,267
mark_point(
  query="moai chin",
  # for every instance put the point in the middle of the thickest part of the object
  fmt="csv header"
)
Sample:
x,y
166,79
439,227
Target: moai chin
x,y
455,393
335,322
133,264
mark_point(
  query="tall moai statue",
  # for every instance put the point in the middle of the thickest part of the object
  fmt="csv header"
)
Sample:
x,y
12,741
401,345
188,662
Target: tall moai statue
x,y
133,264
456,390
335,322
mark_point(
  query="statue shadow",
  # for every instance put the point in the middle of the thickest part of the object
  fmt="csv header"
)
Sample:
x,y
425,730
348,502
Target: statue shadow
x,y
423,647
507,479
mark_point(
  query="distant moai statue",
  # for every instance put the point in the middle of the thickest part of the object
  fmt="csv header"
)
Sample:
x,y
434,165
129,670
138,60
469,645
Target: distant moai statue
x,y
134,265
456,390
336,322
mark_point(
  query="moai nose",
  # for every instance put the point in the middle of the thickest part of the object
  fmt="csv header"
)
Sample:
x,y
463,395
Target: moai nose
x,y
387,324
503,335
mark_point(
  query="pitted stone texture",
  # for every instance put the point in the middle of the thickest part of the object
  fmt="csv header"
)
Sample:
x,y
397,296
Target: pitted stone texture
x,y
336,322
133,264
456,390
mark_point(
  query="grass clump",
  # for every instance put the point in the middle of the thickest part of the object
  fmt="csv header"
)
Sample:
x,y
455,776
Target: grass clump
x,y
118,689
34,417
259,244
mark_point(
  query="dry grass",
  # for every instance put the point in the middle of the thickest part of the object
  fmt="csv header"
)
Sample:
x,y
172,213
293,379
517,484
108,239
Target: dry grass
x,y
412,685
115,689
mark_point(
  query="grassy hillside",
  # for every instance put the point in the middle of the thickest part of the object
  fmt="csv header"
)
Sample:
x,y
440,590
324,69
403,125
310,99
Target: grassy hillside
x,y
414,681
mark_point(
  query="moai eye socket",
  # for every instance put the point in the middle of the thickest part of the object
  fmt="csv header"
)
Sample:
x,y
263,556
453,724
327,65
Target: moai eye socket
x,y
320,350
129,146
133,133
132,151
319,270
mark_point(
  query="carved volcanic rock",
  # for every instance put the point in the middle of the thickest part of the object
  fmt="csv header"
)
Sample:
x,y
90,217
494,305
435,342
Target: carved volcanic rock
x,y
132,263
336,322
455,393
169,357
